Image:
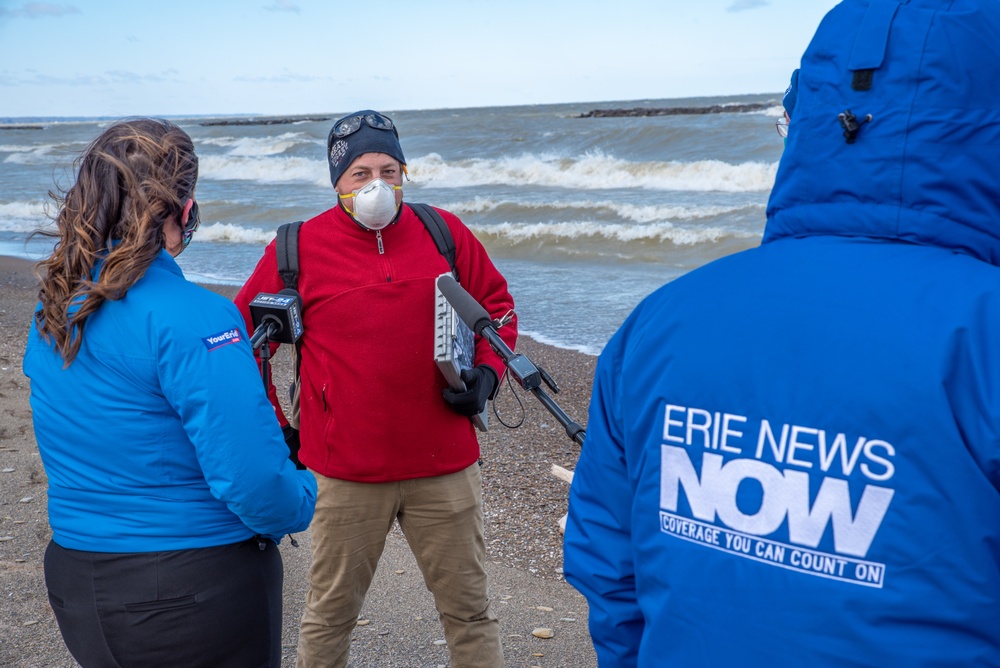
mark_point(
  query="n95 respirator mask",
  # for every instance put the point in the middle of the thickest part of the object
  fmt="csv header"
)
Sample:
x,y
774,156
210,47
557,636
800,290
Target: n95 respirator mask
x,y
374,205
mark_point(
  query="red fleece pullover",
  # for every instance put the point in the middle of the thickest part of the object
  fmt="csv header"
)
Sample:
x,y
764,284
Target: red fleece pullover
x,y
371,408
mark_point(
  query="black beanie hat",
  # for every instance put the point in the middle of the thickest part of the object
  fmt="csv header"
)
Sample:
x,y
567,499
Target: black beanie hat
x,y
341,152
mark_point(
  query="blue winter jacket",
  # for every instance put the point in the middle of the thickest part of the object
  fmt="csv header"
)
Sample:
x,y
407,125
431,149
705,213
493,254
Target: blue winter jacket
x,y
793,453
159,435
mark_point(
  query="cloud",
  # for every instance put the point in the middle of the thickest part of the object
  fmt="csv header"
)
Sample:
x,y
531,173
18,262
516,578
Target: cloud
x,y
282,6
128,77
741,5
284,77
110,77
36,10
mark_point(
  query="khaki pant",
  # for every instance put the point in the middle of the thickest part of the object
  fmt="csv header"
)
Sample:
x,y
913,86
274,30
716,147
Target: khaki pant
x,y
442,519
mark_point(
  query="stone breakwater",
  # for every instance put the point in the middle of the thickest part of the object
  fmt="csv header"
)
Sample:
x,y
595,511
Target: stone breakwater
x,y
676,111
267,121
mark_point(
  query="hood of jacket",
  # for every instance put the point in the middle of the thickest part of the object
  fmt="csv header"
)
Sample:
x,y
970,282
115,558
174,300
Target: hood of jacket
x,y
925,168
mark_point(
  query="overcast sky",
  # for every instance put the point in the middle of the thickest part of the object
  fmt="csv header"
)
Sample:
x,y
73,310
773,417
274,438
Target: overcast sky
x,y
125,57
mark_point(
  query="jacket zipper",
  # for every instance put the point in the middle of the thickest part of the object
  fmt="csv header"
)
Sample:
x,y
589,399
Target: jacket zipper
x,y
381,251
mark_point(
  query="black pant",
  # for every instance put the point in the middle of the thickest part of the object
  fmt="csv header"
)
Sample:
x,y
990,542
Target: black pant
x,y
213,607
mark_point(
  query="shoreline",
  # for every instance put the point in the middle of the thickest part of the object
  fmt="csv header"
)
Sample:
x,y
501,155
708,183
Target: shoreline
x,y
225,288
522,502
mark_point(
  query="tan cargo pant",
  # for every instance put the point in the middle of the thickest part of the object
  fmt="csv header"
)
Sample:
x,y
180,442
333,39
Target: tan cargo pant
x,y
442,519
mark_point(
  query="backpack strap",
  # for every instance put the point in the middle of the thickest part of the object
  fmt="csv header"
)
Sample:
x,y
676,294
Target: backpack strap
x,y
438,229
287,253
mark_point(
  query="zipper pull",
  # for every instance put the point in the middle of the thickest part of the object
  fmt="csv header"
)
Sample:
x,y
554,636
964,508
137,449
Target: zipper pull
x,y
378,237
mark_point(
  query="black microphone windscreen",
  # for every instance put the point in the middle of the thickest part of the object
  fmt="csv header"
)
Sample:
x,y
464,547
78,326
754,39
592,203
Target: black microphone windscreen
x,y
468,309
283,309
292,292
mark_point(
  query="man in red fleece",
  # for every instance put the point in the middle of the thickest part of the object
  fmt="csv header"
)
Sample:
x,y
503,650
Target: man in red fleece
x,y
385,437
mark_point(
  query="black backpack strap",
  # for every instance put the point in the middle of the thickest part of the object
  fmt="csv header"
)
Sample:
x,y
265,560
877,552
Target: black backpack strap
x,y
439,231
287,253
286,249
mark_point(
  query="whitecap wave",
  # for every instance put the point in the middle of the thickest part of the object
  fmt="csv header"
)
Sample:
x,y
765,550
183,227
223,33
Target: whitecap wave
x,y
39,155
777,111
17,148
264,170
594,171
636,213
260,146
24,216
231,233
658,232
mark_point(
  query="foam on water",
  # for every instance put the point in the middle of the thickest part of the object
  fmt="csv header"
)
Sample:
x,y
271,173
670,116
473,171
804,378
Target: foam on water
x,y
23,216
633,212
260,146
589,172
62,153
592,171
593,351
231,233
17,148
660,232
279,169
39,155
226,233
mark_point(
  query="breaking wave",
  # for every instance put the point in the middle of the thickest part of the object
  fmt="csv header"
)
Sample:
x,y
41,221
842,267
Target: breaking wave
x,y
594,171
637,213
619,232
590,172
235,234
260,146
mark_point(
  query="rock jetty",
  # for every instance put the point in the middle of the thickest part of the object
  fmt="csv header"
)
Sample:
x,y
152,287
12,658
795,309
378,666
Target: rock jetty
x,y
677,111
266,121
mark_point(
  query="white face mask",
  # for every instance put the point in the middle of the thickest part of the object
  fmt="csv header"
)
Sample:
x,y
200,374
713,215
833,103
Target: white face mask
x,y
374,204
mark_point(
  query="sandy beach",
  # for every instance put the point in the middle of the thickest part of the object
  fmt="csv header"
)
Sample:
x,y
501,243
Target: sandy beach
x,y
522,502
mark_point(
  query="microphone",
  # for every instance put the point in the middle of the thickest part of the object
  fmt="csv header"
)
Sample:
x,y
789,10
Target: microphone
x,y
468,309
475,316
276,318
524,371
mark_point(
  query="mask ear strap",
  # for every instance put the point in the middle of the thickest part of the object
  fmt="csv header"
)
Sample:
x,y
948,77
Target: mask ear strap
x,y
341,198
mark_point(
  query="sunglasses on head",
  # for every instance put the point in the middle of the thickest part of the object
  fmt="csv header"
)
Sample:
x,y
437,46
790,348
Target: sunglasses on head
x,y
193,221
349,126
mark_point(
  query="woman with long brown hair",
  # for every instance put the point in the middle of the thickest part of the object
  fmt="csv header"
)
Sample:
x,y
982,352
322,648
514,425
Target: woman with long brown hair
x,y
169,479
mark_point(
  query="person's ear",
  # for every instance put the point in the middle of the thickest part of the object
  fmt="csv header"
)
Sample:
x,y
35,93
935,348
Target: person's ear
x,y
186,212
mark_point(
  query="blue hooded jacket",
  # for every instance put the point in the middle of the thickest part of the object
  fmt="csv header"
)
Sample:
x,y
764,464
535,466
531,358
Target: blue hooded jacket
x,y
793,453
159,435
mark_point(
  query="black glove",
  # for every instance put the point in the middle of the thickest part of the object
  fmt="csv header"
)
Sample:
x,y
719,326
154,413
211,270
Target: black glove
x,y
479,385
292,441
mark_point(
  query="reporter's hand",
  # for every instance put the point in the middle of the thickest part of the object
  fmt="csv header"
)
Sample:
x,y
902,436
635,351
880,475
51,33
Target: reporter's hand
x,y
292,441
479,382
